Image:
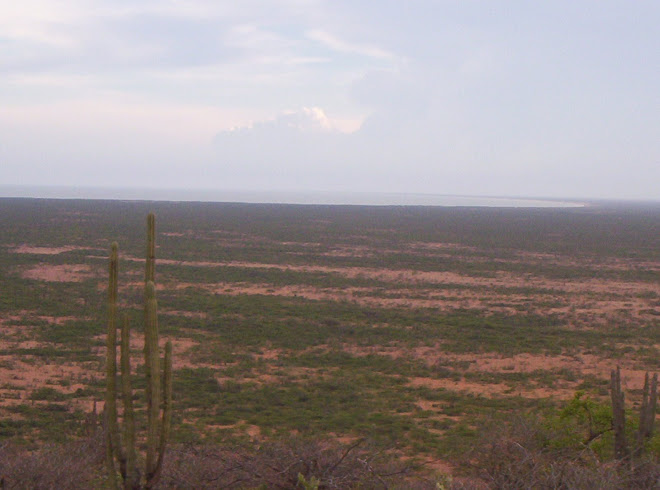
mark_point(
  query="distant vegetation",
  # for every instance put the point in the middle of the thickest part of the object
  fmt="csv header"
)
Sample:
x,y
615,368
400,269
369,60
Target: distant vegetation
x,y
348,345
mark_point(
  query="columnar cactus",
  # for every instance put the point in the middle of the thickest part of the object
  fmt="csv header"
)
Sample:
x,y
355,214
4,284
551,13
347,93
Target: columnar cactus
x,y
132,474
113,445
646,416
618,416
121,446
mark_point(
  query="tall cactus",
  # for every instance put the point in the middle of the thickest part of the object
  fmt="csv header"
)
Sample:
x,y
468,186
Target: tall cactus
x,y
151,362
121,445
110,410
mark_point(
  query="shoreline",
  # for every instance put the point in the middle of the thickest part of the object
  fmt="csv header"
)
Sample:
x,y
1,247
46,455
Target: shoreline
x,y
286,197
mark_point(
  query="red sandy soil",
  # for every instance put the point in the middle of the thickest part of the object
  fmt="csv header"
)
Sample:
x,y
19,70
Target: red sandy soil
x,y
499,279
14,335
580,302
27,249
636,298
180,349
632,376
59,273
21,315
20,377
578,308
488,390
186,314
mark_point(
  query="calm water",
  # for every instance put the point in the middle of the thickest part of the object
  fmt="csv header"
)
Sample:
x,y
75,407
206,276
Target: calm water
x,y
356,198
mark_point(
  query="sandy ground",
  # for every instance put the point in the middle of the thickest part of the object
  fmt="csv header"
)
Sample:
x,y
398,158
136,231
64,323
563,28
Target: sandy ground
x,y
59,273
27,249
580,302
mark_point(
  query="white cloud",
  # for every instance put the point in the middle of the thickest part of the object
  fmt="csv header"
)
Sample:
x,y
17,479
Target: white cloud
x,y
49,80
307,119
303,120
336,44
256,39
116,114
39,22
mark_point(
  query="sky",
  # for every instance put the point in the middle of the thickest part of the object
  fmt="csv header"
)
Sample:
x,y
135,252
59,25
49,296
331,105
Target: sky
x,y
463,97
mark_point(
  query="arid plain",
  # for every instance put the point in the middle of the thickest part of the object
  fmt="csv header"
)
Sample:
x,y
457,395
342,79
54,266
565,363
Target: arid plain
x,y
411,326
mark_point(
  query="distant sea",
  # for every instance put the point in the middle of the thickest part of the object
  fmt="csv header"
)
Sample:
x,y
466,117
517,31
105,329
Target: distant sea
x,y
282,197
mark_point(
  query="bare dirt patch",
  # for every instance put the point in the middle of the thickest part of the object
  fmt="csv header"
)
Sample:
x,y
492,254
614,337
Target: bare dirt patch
x,y
268,354
577,309
185,314
442,246
32,315
568,370
59,273
490,390
181,348
32,373
580,364
29,249
501,279
19,378
254,431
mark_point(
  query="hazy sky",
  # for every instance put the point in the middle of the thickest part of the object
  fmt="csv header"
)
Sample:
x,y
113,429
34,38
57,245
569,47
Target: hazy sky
x,y
554,98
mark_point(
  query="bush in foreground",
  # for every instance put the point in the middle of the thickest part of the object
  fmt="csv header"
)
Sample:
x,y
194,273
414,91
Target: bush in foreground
x,y
525,454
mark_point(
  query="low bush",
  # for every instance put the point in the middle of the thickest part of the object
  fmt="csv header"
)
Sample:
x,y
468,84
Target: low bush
x,y
72,465
523,454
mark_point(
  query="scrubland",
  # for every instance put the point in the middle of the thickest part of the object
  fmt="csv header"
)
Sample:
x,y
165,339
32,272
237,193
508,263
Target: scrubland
x,y
398,346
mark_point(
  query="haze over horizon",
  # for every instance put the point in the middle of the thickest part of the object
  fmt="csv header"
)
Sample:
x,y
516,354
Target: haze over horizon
x,y
556,99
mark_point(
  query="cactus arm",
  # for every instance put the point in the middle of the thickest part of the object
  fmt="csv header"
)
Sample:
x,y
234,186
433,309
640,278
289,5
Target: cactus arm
x,y
132,478
653,402
641,431
150,267
646,414
109,457
149,272
618,416
113,443
152,361
110,365
166,421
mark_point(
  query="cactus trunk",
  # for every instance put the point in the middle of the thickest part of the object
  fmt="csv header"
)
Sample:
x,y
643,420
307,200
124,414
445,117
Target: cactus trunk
x,y
150,267
149,273
167,413
113,442
132,479
153,395
110,365
647,414
121,445
618,416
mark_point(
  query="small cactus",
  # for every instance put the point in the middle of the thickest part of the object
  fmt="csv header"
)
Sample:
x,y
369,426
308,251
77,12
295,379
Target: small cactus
x,y
646,417
647,414
618,415
121,445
